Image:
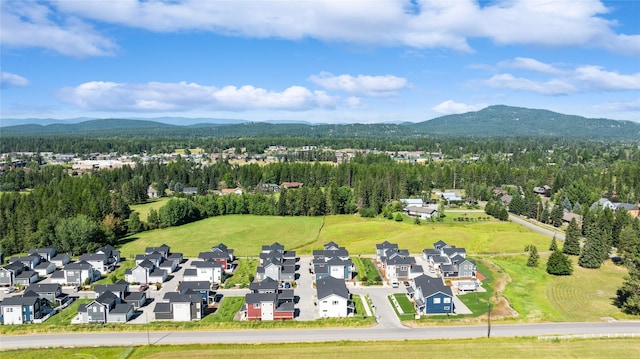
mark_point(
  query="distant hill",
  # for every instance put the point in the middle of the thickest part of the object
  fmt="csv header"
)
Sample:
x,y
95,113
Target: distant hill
x,y
493,121
501,121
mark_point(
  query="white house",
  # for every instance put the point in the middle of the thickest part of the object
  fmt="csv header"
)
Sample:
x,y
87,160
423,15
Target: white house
x,y
206,270
333,298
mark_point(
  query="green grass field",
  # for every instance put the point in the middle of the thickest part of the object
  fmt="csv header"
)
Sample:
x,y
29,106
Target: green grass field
x,y
226,311
523,348
587,295
244,233
144,209
247,233
243,274
368,270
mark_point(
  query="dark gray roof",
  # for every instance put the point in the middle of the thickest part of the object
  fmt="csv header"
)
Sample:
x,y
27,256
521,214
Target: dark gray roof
x,y
252,298
19,300
44,287
430,286
386,244
330,245
27,274
274,247
439,244
195,285
190,272
266,284
206,264
146,264
101,288
329,285
135,296
83,265
188,296
121,308
107,298
60,257
162,308
93,257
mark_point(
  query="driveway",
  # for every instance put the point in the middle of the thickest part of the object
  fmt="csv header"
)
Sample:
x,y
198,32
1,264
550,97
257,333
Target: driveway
x,y
305,291
382,309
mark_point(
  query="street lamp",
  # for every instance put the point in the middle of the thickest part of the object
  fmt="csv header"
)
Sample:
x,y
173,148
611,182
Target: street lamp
x,y
489,320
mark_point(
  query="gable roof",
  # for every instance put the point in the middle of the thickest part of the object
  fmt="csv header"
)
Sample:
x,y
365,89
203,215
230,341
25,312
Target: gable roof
x,y
265,284
82,265
329,285
430,286
44,287
199,285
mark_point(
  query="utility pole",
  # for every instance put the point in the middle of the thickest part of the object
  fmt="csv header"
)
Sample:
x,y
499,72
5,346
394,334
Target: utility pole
x,y
146,316
489,321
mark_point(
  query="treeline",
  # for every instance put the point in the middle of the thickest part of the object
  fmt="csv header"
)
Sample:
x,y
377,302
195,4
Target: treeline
x,y
74,214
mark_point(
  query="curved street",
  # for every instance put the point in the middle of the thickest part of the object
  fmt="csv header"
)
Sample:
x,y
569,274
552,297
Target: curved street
x,y
315,335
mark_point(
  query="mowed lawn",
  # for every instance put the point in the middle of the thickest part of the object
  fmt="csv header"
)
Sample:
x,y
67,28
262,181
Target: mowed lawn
x,y
586,295
244,233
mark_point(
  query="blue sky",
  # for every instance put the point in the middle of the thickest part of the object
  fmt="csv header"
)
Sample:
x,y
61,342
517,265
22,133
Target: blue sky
x,y
332,61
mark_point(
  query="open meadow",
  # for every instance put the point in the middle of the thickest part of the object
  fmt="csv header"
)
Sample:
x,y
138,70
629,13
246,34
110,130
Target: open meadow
x,y
247,233
468,348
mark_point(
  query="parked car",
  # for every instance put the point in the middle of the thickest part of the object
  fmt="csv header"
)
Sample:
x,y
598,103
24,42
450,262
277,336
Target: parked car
x,y
395,284
10,290
143,287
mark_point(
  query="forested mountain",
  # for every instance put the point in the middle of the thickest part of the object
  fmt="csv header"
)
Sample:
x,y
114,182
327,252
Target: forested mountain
x,y
493,121
518,122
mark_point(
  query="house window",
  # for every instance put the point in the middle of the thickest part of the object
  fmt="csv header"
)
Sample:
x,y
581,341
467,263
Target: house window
x,y
70,274
446,308
447,300
101,309
9,310
436,300
404,268
256,306
95,310
335,302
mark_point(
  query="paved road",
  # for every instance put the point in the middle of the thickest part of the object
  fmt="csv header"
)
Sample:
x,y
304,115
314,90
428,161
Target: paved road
x,y
313,335
535,227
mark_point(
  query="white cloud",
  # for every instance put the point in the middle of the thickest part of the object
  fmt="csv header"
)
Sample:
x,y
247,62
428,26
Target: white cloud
x,y
428,24
183,96
31,24
386,85
7,79
629,106
525,63
596,78
450,107
583,78
551,87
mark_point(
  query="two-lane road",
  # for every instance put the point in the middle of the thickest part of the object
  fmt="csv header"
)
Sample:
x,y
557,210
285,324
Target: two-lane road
x,y
313,335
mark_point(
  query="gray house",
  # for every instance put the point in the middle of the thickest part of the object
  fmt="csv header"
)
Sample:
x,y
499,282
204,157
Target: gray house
x,y
180,307
79,272
60,260
107,308
139,273
45,253
45,268
28,261
51,292
9,273
27,277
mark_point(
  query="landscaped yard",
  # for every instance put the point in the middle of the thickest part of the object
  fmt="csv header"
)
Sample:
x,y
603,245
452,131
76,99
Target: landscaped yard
x,y
118,273
226,310
367,270
243,274
408,310
65,316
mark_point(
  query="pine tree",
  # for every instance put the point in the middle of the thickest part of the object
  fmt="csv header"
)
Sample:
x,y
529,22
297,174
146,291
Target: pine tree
x,y
591,256
556,216
559,264
572,240
628,296
554,244
533,257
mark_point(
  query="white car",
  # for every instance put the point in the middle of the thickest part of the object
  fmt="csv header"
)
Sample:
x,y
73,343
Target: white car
x,y
9,290
395,284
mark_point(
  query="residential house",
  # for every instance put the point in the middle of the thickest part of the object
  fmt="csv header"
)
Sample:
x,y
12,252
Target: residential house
x,y
158,275
407,202
61,259
45,268
107,308
431,296
603,203
9,273
180,307
267,285
26,277
50,291
543,191
396,265
154,257
120,289
163,249
113,255
333,298
291,185
139,273
190,190
226,191
98,261
152,192
203,288
332,261
421,212
224,255
205,271
79,272
46,253
277,264
382,248
269,306
22,310
28,261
